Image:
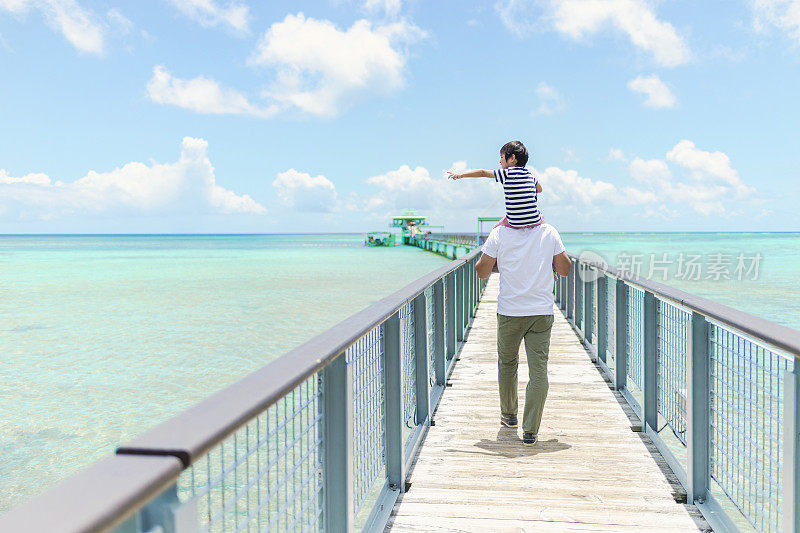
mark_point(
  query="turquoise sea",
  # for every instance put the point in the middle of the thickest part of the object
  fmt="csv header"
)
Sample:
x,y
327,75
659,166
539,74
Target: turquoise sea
x,y
103,337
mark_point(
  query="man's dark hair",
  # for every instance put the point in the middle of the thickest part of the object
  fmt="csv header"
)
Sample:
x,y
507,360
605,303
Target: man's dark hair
x,y
516,149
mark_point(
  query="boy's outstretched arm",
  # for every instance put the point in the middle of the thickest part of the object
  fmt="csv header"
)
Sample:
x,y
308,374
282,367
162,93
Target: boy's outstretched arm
x,y
479,173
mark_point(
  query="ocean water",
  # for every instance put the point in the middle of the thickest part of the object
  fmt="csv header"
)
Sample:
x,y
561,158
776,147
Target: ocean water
x,y
766,284
104,337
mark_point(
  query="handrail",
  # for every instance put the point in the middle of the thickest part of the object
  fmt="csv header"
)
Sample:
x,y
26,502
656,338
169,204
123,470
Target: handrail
x,y
723,383
775,334
192,433
137,489
99,498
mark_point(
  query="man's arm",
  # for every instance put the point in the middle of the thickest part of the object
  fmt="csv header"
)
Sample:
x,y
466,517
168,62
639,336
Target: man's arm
x,y
485,265
561,263
538,187
479,173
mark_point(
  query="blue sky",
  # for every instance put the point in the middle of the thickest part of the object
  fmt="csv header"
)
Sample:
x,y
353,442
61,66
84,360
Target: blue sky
x,y
236,116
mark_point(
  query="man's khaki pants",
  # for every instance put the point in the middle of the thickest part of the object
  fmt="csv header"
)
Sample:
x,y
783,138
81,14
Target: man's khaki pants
x,y
535,330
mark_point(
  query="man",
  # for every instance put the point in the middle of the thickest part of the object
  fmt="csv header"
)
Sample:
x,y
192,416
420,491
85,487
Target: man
x,y
525,259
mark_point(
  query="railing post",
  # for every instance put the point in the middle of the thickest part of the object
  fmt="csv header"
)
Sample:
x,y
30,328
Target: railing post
x,y
164,513
602,316
570,292
791,444
476,294
621,357
459,298
337,394
395,471
563,289
587,307
450,286
421,359
578,296
697,407
439,354
650,362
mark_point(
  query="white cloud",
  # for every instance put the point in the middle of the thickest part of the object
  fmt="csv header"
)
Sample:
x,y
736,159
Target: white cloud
x,y
34,179
517,15
122,24
80,26
714,187
202,95
783,14
390,7
550,100
577,19
713,167
615,154
650,170
209,13
657,93
306,193
566,188
321,69
186,186
440,196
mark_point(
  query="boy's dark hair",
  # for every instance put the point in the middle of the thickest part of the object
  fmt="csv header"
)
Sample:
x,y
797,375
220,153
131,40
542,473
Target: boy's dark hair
x,y
516,149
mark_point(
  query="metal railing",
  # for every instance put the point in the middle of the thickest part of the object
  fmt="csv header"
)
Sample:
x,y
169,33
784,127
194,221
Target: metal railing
x,y
716,390
456,238
319,439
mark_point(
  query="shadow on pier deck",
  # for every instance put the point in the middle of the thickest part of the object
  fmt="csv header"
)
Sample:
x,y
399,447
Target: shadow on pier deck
x,y
589,471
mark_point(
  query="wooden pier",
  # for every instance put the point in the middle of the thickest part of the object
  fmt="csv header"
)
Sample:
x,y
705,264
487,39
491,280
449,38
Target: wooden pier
x,y
590,470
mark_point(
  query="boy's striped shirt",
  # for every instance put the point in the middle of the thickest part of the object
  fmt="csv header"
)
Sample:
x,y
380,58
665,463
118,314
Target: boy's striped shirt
x,y
519,187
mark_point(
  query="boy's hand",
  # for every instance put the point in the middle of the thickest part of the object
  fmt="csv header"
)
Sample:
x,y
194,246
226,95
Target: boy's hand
x,y
454,176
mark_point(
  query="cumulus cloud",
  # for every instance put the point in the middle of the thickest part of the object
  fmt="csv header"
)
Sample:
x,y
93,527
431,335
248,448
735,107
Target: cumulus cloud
x,y
416,187
208,13
568,188
321,69
656,92
550,100
782,14
714,184
303,192
202,95
185,186
577,19
714,167
83,28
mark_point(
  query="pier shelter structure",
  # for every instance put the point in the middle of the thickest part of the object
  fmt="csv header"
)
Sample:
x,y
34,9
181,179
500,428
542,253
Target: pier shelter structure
x,y
666,412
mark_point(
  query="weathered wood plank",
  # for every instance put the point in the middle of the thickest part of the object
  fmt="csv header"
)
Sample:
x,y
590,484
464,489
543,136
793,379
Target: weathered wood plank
x,y
588,472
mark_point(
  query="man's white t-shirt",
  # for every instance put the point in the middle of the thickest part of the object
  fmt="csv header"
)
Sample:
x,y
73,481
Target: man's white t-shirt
x,y
525,261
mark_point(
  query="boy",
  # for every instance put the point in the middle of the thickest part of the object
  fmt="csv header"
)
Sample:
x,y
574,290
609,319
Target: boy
x,y
520,187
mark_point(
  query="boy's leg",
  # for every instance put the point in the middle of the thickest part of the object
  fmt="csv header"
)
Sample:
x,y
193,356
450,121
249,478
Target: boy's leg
x,y
537,348
510,330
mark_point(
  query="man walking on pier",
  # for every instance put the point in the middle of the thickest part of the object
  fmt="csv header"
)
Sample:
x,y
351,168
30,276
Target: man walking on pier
x,y
526,260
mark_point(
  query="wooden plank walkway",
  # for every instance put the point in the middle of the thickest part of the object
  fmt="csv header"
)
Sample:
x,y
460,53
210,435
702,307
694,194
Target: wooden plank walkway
x,y
588,472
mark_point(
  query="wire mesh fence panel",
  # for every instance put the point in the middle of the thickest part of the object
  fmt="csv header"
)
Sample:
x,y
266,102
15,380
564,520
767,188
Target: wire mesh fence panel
x,y
611,321
746,434
366,356
431,332
633,329
409,369
671,327
268,475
